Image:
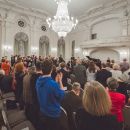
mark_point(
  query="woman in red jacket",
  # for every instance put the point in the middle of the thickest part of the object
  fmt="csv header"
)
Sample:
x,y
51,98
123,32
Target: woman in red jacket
x,y
118,100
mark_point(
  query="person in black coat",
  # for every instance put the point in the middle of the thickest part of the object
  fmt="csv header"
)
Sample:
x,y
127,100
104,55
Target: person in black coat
x,y
103,75
80,73
33,109
95,114
71,102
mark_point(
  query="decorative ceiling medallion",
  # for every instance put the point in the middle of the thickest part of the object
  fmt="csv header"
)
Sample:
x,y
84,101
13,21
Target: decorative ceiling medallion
x,y
43,28
21,23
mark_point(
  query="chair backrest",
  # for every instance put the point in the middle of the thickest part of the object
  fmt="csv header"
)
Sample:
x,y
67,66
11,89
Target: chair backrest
x,y
64,119
74,120
126,114
5,119
3,128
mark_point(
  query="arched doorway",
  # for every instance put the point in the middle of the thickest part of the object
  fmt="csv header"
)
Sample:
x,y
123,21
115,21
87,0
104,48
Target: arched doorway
x,y
21,44
61,47
104,53
44,46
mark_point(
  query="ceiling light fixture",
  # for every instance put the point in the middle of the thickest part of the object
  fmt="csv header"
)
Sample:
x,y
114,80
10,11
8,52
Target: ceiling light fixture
x,y
62,23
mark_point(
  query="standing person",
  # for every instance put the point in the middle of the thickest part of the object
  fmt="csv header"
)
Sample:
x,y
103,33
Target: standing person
x,y
50,94
116,73
91,71
12,60
95,114
65,73
118,100
27,92
80,73
34,109
103,75
124,65
6,67
54,72
19,74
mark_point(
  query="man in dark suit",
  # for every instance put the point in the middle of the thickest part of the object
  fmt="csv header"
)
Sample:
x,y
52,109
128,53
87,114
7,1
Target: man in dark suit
x,y
72,102
103,75
80,73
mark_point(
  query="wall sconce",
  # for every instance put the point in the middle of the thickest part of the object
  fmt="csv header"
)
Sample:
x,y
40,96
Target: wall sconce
x,y
7,50
7,47
85,53
34,50
54,49
123,54
77,50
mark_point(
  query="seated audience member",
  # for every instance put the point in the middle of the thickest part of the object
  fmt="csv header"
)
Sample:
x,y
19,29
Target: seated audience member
x,y
91,71
71,102
50,94
116,73
118,100
103,75
95,114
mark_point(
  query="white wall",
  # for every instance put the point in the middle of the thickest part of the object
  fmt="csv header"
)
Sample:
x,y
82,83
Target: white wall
x,y
129,27
104,53
107,29
109,24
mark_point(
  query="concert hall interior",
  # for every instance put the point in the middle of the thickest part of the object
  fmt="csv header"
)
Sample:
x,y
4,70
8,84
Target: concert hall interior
x,y
64,64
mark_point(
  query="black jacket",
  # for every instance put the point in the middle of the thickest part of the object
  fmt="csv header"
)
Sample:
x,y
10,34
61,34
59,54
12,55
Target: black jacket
x,y
71,103
102,76
86,121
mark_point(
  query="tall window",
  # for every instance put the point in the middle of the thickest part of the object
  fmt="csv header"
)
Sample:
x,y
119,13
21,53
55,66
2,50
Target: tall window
x,y
73,47
61,47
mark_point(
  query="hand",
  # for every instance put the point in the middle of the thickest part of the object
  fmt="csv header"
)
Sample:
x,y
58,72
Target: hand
x,y
59,77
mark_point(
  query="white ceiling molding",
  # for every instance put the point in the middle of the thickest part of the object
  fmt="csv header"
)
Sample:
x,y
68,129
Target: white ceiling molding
x,y
104,18
117,41
91,12
12,6
103,10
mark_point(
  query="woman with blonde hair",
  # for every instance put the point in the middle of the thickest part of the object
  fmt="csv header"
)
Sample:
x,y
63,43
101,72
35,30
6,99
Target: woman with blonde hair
x,y
95,114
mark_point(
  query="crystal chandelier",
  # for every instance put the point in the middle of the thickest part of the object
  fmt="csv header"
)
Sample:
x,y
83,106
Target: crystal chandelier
x,y
62,23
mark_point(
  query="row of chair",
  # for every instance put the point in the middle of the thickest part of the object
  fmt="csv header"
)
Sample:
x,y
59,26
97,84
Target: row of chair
x,y
14,119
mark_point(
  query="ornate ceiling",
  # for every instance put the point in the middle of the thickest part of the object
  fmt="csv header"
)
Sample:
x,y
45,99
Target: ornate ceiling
x,y
76,7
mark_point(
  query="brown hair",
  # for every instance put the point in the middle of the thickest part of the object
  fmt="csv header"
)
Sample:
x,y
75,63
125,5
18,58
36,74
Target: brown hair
x,y
47,67
96,100
62,64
